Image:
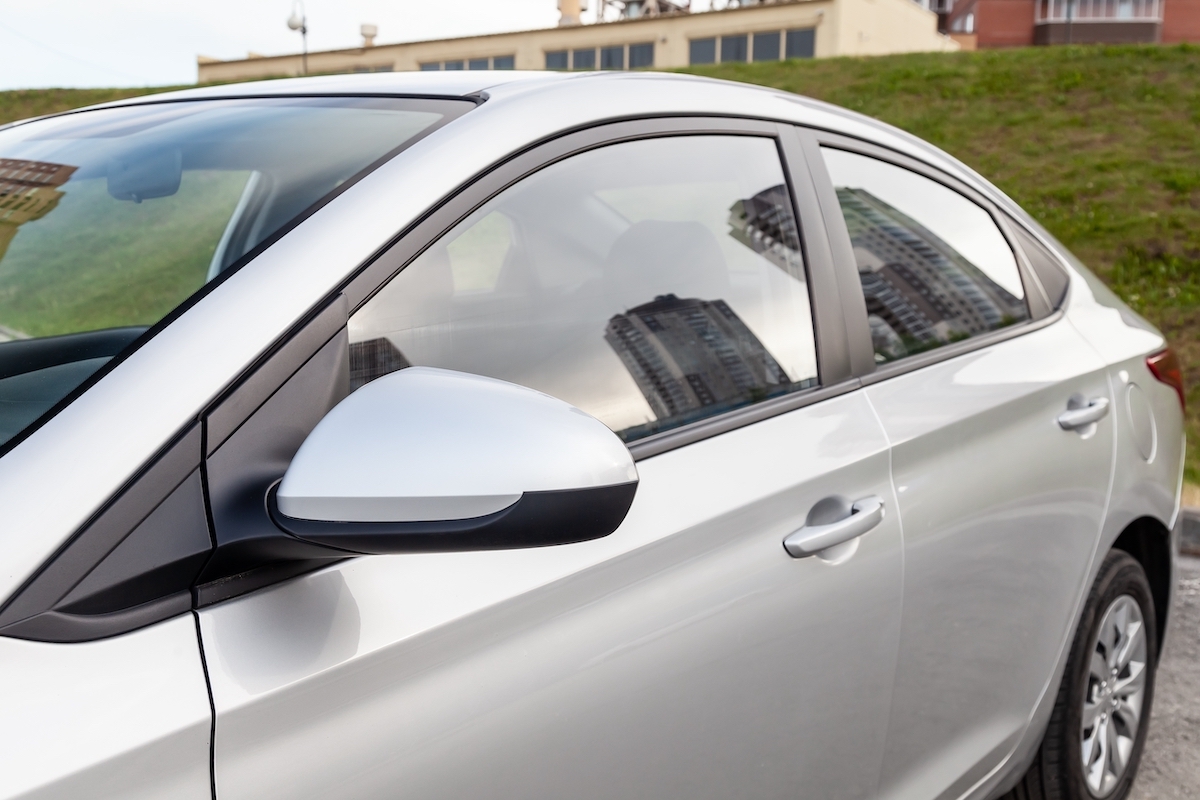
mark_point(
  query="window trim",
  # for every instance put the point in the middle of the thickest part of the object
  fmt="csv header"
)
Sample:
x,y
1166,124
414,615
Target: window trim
x,y
1041,311
834,374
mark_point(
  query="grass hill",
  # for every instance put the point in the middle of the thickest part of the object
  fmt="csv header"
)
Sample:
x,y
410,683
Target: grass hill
x,y
1102,144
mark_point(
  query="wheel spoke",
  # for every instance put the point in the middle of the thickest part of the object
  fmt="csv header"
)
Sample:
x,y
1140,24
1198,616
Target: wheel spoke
x,y
1112,638
1129,714
1134,683
1097,757
1132,637
1091,714
1114,766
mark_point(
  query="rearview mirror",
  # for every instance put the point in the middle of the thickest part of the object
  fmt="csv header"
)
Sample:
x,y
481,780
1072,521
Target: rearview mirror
x,y
428,460
143,176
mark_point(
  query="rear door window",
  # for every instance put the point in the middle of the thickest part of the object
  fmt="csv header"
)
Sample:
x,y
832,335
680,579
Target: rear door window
x,y
934,266
650,283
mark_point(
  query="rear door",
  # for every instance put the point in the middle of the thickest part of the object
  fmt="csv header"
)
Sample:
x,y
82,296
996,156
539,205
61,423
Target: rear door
x,y
996,410
654,275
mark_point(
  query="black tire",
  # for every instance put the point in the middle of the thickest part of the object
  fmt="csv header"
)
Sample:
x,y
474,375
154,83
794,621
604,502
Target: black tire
x,y
1057,770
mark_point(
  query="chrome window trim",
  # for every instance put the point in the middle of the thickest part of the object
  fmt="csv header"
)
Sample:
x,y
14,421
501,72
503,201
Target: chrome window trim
x,y
956,349
675,438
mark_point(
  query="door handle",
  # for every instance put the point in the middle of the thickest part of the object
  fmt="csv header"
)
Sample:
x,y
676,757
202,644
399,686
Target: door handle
x,y
1075,418
864,515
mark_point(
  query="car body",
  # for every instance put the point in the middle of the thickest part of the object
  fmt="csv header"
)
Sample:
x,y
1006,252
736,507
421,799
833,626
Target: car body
x,y
687,653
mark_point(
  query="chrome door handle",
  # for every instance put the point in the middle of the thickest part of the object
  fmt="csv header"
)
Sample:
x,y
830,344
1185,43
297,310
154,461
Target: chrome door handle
x,y
864,515
1075,418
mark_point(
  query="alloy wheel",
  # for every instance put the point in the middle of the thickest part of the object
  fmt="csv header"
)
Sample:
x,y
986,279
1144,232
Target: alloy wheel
x,y
1116,690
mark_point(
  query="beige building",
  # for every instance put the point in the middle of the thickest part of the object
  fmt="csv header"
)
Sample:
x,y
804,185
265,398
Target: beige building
x,y
759,32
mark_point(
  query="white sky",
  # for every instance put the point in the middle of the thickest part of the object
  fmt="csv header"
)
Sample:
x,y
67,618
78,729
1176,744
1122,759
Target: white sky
x,y
82,43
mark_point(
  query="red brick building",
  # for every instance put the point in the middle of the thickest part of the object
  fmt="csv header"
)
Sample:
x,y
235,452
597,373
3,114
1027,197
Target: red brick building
x,y
1016,23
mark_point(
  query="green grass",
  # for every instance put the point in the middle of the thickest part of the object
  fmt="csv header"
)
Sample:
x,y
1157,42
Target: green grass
x,y
1101,144
26,103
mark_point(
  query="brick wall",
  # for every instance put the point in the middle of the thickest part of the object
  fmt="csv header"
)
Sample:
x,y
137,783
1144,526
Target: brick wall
x,y
1009,23
1181,21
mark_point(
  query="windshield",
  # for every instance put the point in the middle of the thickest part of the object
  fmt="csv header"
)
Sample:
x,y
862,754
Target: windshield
x,y
110,219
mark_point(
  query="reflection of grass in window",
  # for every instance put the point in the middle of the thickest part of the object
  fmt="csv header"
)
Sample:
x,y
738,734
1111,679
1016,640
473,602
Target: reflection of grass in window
x,y
477,255
95,262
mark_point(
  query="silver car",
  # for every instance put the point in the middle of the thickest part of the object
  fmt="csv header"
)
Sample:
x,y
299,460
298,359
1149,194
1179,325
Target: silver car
x,y
501,435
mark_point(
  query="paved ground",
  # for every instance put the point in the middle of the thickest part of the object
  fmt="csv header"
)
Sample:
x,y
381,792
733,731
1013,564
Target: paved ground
x,y
1171,762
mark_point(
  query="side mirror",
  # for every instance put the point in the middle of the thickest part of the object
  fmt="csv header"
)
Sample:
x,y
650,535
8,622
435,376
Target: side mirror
x,y
426,460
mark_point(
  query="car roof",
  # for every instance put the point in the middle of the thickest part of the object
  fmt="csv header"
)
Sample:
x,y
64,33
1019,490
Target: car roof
x,y
643,93
412,84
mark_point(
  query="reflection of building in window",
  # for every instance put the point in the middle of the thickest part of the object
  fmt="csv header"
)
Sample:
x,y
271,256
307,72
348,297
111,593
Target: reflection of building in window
x,y
373,359
920,291
765,223
28,191
689,354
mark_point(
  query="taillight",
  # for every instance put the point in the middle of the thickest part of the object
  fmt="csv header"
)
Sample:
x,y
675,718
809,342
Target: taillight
x,y
1165,366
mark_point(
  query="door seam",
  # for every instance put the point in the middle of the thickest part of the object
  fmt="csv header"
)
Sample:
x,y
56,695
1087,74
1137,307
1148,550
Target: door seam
x,y
903,586
212,709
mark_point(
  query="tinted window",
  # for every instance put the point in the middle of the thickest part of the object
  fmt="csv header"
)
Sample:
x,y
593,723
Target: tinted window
x,y
934,266
733,48
641,55
557,59
583,59
612,57
702,51
649,283
800,43
110,219
766,46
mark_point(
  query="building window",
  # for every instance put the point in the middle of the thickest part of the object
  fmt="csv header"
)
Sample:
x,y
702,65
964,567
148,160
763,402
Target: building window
x,y
800,43
558,59
733,48
453,65
766,46
964,24
583,59
431,67
477,63
612,57
641,55
702,51
504,62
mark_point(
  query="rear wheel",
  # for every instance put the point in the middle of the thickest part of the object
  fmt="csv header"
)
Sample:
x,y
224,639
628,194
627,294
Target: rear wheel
x,y
1098,727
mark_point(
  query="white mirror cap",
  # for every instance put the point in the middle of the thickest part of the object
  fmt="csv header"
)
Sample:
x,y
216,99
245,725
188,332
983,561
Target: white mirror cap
x,y
425,444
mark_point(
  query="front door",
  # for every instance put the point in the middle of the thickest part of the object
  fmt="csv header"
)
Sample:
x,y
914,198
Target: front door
x,y
1001,505
660,285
